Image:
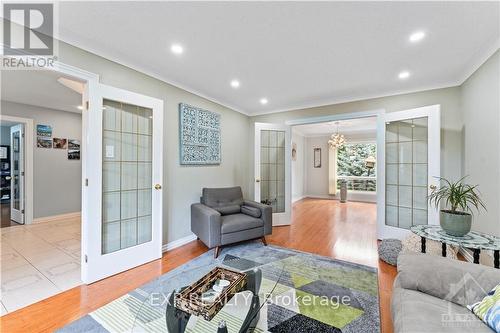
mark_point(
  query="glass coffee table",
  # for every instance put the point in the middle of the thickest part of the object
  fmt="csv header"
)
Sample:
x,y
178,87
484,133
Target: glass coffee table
x,y
476,241
239,315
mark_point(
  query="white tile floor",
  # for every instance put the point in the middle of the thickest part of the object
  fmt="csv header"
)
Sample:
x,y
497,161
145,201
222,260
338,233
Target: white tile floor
x,y
38,261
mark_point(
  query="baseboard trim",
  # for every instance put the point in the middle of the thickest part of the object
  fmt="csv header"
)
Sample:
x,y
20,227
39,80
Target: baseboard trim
x,y
59,217
177,243
298,198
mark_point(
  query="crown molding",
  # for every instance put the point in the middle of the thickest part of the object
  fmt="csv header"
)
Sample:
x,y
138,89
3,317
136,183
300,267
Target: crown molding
x,y
359,98
148,72
478,59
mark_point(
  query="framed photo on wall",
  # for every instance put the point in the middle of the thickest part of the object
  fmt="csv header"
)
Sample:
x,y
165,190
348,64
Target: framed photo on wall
x,y
317,157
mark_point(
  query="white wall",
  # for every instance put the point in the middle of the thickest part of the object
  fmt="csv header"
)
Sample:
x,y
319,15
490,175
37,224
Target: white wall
x,y
317,184
481,112
56,180
298,167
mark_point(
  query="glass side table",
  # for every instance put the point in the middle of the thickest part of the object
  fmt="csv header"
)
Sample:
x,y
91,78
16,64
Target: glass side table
x,y
476,241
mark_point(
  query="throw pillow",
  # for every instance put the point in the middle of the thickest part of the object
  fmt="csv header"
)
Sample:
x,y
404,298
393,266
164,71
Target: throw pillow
x,y
252,211
228,210
488,309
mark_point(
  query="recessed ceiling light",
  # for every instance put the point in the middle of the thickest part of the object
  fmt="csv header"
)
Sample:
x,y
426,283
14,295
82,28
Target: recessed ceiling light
x,y
404,75
417,36
235,83
79,107
176,49
263,101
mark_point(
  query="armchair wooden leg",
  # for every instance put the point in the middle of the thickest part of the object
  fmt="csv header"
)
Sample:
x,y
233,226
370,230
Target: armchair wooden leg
x,y
264,240
216,252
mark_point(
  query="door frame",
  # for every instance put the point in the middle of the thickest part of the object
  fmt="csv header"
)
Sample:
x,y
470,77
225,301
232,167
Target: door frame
x,y
28,163
380,114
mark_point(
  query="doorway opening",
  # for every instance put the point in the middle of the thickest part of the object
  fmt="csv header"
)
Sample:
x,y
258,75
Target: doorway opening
x,y
41,185
335,160
407,165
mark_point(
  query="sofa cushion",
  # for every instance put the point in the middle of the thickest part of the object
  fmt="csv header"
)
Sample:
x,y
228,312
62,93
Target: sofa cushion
x,y
219,197
252,211
456,281
229,209
239,222
416,312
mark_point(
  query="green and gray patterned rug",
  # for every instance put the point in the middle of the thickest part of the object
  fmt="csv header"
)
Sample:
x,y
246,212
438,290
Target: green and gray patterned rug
x,y
341,296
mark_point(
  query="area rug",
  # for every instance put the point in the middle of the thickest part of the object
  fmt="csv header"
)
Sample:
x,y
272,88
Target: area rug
x,y
351,291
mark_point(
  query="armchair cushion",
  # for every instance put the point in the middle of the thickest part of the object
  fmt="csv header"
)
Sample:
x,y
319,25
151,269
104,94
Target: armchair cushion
x,y
219,197
229,209
239,222
251,211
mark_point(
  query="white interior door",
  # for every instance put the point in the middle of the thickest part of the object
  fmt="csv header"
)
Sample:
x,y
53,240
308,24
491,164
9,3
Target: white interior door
x,y
409,148
273,170
17,173
122,215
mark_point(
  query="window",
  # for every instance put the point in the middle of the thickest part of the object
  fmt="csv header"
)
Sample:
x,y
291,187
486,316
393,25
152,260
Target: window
x,y
352,168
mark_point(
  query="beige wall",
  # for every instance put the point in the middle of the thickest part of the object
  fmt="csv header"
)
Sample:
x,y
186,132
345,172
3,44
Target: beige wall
x,y
451,119
183,184
57,181
481,113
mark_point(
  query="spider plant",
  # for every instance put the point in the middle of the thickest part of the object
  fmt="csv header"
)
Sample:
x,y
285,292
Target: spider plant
x,y
461,198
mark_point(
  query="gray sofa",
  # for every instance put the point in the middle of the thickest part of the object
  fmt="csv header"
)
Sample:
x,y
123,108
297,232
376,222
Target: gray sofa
x,y
431,294
223,217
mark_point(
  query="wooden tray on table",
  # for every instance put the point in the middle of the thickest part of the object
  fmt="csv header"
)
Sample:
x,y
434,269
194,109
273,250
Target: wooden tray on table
x,y
189,299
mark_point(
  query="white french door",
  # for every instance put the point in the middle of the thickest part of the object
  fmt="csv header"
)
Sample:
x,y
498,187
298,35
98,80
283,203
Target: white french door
x,y
273,170
17,173
122,205
408,169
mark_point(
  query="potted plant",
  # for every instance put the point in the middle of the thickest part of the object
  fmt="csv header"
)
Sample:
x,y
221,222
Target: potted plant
x,y
459,200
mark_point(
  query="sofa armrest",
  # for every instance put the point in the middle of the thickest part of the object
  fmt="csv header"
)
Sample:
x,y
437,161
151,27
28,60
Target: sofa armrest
x,y
266,214
206,224
455,281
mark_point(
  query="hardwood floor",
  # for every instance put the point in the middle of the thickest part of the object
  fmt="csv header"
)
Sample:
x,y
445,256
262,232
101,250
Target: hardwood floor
x,y
325,227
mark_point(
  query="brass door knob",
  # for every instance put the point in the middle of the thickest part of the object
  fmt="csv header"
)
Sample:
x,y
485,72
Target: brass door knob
x,y
157,187
432,187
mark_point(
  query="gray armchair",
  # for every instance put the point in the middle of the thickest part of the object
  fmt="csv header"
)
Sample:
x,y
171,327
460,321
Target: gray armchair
x,y
223,217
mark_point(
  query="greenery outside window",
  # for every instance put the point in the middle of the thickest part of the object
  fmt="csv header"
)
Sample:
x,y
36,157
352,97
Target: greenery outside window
x,y
351,166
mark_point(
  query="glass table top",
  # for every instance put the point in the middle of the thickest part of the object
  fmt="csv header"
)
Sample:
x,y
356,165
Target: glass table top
x,y
473,240
240,314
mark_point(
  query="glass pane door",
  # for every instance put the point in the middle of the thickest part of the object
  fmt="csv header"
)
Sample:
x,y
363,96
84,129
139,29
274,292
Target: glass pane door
x,y
272,169
127,176
406,152
17,174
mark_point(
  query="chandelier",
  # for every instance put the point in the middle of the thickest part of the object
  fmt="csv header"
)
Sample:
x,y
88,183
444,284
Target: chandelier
x,y
336,140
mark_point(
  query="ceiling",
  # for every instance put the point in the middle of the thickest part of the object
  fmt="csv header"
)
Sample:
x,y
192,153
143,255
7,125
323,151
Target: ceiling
x,y
295,54
39,88
364,126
